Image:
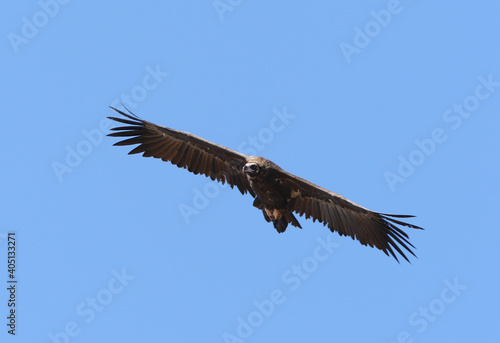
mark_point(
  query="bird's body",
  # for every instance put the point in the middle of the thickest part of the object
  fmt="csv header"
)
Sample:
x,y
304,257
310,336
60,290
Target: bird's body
x,y
272,195
276,192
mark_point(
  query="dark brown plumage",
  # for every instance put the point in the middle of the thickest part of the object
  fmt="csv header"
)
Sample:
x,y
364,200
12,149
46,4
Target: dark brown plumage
x,y
277,193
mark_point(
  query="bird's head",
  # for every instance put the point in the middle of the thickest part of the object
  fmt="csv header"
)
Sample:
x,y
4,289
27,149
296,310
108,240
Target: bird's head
x,y
258,167
251,169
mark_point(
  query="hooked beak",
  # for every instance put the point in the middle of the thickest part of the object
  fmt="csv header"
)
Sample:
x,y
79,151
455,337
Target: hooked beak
x,y
250,169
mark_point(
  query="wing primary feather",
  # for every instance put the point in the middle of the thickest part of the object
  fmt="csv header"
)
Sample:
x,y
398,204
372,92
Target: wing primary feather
x,y
123,134
125,121
129,141
386,216
398,215
137,150
128,128
398,249
155,147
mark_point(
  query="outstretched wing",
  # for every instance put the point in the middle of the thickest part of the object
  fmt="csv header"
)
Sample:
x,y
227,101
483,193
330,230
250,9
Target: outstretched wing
x,y
378,230
182,149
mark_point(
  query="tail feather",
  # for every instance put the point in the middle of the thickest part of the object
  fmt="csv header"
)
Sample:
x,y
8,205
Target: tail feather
x,y
281,224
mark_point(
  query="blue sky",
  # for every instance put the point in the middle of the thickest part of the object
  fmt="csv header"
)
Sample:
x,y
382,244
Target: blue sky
x,y
393,104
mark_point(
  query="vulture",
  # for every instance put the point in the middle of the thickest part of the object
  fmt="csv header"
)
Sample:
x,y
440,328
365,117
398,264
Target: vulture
x,y
276,192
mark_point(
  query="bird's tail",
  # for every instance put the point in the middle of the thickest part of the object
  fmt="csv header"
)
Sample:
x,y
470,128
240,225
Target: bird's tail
x,y
281,224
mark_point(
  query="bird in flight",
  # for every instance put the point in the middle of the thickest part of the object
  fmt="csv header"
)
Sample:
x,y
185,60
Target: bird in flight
x,y
276,192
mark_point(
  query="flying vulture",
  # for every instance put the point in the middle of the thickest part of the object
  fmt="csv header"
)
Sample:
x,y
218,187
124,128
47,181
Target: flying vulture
x,y
276,192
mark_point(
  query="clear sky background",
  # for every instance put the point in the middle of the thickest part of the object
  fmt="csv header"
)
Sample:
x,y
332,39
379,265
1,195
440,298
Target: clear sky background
x,y
394,105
